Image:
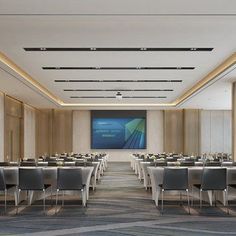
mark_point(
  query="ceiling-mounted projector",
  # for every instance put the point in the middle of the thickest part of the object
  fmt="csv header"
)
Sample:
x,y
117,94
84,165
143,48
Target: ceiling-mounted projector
x,y
118,96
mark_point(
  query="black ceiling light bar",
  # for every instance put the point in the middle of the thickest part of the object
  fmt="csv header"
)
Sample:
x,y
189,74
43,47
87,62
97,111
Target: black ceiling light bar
x,y
118,81
116,49
115,97
112,90
118,68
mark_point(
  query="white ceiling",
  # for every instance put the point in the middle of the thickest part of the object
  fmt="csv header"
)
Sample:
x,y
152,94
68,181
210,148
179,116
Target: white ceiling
x,y
183,24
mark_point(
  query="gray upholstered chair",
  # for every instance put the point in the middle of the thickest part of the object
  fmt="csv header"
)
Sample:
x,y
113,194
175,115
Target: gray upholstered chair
x,y
213,179
175,179
32,179
70,179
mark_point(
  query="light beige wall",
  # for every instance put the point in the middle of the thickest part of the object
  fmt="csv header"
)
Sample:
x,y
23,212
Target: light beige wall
x,y
155,131
81,131
216,131
1,127
29,131
81,135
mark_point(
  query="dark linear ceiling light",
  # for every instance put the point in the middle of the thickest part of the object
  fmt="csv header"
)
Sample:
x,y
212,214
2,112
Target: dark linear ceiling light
x,y
112,90
115,49
115,97
117,68
118,81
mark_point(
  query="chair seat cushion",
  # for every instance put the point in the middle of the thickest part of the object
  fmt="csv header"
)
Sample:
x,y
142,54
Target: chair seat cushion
x,y
232,185
197,185
47,186
161,186
8,186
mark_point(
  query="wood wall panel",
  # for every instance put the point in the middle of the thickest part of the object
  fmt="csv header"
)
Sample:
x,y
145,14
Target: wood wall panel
x,y
43,132
234,121
14,129
62,131
173,131
191,131
1,126
29,131
13,107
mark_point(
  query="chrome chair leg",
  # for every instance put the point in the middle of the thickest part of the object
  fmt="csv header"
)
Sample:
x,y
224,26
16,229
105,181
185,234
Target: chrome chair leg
x,y
51,197
214,196
5,200
226,201
188,201
180,198
63,198
162,195
56,200
44,197
200,198
84,197
18,200
192,197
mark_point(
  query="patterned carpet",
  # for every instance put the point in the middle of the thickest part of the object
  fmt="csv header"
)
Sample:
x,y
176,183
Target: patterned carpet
x,y
119,206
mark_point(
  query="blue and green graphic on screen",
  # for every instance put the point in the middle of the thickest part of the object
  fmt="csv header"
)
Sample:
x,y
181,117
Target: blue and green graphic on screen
x,y
118,133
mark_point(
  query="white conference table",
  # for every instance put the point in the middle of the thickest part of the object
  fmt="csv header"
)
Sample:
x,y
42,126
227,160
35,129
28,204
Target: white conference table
x,y
50,177
194,175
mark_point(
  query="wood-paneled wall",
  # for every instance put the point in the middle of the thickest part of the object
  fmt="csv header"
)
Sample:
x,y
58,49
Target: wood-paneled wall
x,y
234,121
54,131
62,131
1,126
191,131
29,131
13,129
181,131
173,131
43,132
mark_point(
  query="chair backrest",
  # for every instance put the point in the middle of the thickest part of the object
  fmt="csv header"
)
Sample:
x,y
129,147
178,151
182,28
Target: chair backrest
x,y
212,163
214,179
4,163
52,163
175,179
69,163
2,180
69,179
160,163
31,179
79,163
28,163
187,163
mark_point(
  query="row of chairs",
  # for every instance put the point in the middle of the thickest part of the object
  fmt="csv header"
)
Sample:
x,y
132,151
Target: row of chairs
x,y
32,179
191,163
213,179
